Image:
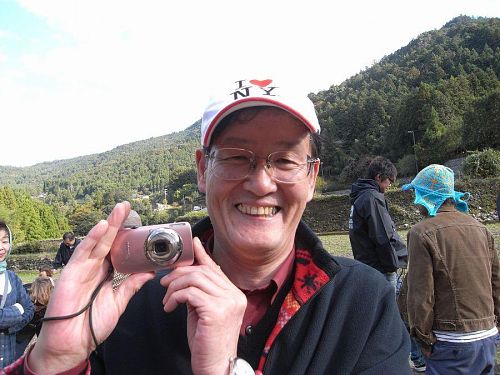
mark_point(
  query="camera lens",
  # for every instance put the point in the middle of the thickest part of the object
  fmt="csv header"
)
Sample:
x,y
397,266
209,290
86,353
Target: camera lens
x,y
163,246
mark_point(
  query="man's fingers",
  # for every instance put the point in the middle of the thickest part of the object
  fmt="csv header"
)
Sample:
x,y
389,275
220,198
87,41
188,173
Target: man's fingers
x,y
197,277
192,296
97,242
129,287
83,250
115,220
201,256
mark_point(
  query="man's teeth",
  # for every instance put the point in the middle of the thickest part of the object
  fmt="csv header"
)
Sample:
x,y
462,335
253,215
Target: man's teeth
x,y
257,211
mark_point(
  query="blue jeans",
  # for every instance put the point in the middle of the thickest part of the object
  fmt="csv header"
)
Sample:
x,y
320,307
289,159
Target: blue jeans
x,y
465,358
416,355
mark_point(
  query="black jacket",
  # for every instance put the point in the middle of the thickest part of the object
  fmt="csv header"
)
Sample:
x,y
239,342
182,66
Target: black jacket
x,y
64,254
372,232
349,325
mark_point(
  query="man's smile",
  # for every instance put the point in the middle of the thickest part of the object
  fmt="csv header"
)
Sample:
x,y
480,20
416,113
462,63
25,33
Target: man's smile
x,y
267,211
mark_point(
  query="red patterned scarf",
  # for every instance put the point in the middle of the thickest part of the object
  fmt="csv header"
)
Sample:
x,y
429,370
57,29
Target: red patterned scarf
x,y
308,279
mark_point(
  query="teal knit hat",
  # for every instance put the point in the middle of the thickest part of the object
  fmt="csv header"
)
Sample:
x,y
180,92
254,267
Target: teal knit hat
x,y
433,185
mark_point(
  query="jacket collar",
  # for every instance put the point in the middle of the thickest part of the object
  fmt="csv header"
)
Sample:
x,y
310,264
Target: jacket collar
x,y
447,208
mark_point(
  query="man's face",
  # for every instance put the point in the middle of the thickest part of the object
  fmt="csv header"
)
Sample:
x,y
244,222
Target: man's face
x,y
69,243
384,184
4,244
257,215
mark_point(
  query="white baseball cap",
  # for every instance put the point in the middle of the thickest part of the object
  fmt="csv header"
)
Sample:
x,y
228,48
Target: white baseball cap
x,y
252,93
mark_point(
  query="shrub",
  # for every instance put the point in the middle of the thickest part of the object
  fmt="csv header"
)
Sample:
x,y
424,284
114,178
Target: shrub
x,y
192,217
355,168
406,166
41,246
483,164
27,247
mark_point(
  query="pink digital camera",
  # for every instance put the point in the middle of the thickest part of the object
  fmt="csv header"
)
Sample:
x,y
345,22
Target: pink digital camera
x,y
152,248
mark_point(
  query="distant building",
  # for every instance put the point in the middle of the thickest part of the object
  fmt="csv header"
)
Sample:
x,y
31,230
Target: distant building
x,y
160,207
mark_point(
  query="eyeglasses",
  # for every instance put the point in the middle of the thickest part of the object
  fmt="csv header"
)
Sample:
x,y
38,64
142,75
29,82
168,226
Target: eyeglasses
x,y
233,164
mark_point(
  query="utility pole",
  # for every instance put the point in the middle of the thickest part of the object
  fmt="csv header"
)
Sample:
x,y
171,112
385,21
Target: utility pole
x,y
414,149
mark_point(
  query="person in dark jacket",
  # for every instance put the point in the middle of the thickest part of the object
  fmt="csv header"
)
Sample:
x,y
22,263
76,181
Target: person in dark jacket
x,y
262,297
66,249
372,233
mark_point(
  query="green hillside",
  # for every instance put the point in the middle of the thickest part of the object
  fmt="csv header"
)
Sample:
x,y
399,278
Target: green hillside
x,y
442,88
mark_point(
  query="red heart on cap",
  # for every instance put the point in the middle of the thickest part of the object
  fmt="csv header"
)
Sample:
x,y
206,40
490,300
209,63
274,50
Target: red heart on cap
x,y
260,83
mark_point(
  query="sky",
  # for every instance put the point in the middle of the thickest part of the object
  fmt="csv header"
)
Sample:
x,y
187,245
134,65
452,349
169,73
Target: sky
x,y
83,77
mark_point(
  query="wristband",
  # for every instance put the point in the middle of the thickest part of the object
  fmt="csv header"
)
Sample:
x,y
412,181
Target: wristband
x,y
238,366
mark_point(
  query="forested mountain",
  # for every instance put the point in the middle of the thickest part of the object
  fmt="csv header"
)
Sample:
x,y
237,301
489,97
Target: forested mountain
x,y
84,189
171,144
442,88
143,167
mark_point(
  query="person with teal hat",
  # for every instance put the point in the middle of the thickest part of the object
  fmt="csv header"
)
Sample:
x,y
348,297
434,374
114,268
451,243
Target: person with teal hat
x,y
16,308
453,279
435,184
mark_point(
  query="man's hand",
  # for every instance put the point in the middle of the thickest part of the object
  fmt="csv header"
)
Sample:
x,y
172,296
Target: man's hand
x,y
215,311
63,344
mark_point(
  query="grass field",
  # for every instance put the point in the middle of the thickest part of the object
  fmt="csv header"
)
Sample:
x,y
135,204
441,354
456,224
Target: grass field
x,y
27,276
338,244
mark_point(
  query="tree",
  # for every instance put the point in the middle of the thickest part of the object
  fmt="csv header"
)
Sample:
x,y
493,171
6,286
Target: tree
x,y
482,123
84,218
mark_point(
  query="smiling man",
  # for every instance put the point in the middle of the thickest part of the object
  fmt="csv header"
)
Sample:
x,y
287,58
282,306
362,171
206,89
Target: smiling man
x,y
263,295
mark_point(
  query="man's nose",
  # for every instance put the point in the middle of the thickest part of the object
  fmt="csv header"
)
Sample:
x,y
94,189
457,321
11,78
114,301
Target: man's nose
x,y
260,180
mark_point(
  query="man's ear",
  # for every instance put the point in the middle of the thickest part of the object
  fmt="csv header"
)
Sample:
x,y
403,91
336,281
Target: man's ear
x,y
312,180
377,178
201,167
